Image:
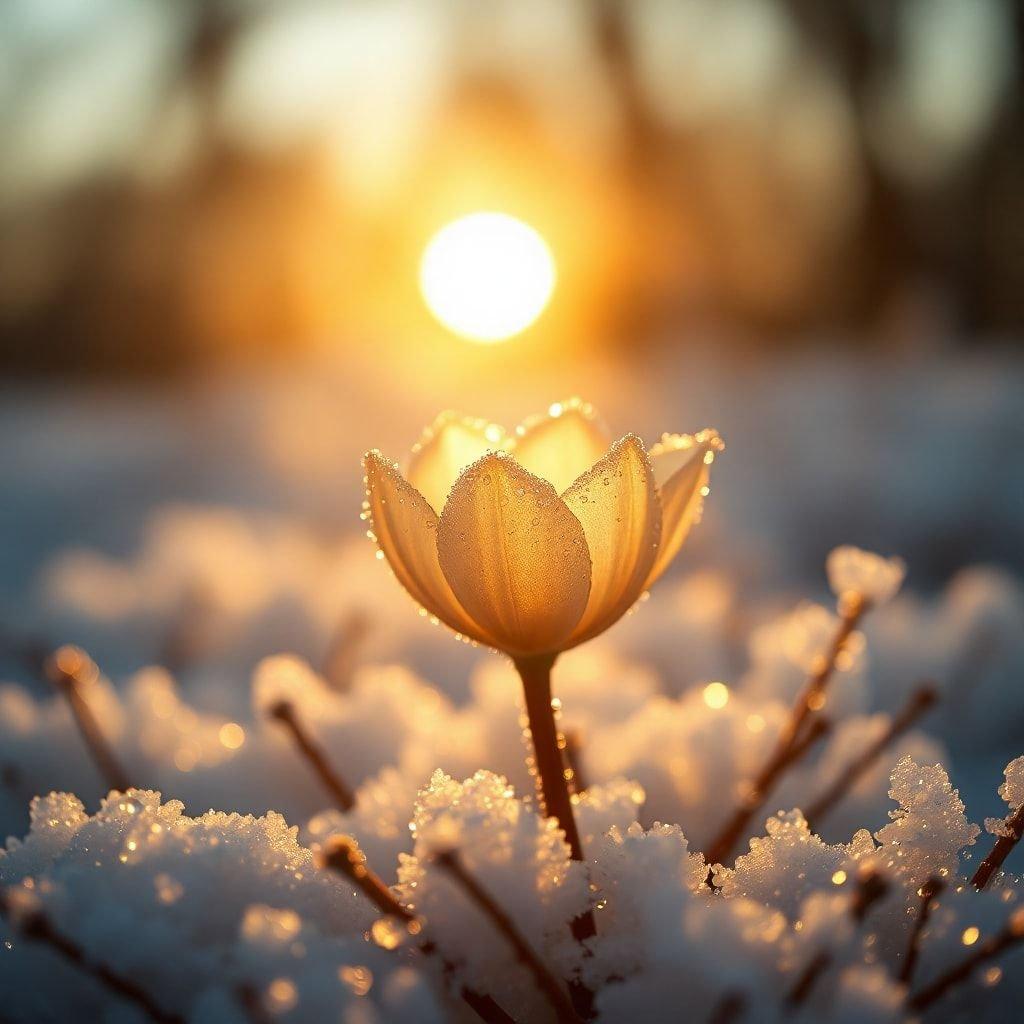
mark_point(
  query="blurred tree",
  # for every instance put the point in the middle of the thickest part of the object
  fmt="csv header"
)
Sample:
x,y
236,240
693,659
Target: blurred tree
x,y
236,247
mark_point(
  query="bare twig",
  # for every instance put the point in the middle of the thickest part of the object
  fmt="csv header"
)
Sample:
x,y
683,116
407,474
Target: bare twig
x,y
921,701
810,701
69,669
818,728
549,985
808,978
1011,934
1000,849
252,1006
927,892
342,854
284,712
729,1009
35,926
870,888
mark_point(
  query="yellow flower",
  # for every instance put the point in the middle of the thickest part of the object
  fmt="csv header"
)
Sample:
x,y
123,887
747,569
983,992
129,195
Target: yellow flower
x,y
536,541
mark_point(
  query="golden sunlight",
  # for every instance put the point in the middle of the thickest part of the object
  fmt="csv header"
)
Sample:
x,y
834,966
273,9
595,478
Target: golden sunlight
x,y
487,276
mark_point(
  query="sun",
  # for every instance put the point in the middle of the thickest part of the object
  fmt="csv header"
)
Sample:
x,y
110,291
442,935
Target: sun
x,y
487,276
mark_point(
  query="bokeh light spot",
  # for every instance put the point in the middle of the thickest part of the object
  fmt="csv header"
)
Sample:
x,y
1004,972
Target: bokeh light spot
x,y
716,695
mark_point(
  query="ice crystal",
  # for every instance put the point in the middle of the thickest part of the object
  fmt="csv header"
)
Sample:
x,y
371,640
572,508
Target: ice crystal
x,y
929,830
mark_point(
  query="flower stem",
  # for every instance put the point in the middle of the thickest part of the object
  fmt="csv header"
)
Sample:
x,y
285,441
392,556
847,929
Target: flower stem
x,y
1001,850
549,985
921,700
552,785
37,927
810,701
68,669
284,712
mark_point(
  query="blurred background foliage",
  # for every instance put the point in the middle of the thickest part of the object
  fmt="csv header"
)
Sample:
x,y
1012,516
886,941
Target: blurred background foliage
x,y
193,184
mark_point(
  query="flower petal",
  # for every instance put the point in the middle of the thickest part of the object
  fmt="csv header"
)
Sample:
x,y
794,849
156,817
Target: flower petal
x,y
405,528
681,469
450,444
617,503
561,445
515,556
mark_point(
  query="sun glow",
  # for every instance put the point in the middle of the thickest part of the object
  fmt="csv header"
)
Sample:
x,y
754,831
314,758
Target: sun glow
x,y
487,276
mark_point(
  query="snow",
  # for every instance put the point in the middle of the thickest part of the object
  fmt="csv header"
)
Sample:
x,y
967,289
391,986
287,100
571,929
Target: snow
x,y
1012,791
208,600
516,856
865,574
930,829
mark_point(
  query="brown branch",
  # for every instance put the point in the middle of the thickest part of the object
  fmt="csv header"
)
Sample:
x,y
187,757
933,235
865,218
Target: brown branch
x,y
808,978
920,701
549,985
284,712
870,888
68,669
1000,850
252,1005
1011,934
818,728
728,1009
37,927
342,855
927,892
808,704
